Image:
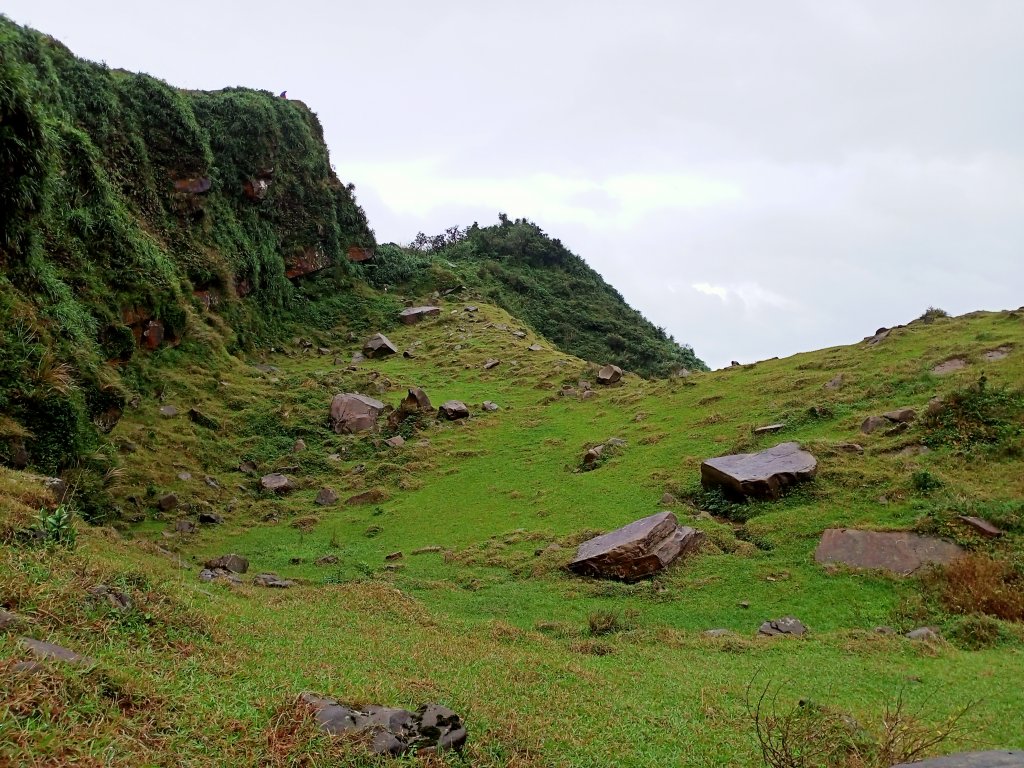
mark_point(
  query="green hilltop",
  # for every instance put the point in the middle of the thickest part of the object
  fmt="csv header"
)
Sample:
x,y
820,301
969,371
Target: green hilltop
x,y
185,287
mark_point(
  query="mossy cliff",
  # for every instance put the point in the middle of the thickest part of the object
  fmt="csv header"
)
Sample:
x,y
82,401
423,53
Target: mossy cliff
x,y
136,215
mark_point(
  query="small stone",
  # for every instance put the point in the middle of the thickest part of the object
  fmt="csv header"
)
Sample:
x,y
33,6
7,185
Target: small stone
x,y
233,563
743,604
923,633
717,632
212,482
326,497
378,345
53,652
210,518
299,446
168,411
984,527
167,502
248,468
489,406
277,483
535,348
901,415
185,476
884,631
184,526
326,560
784,626
395,442
769,429
11,622
393,556
272,580
491,363
873,423
453,410
200,418
668,499
592,456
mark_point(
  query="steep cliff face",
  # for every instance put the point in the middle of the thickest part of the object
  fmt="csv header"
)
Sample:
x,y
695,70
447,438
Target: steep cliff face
x,y
135,216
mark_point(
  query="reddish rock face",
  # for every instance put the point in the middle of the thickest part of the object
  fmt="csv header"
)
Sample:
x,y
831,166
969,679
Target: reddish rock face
x,y
243,286
208,299
196,185
900,552
763,475
637,550
306,262
352,412
358,254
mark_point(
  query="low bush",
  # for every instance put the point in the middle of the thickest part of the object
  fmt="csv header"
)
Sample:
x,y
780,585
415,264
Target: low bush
x,y
981,584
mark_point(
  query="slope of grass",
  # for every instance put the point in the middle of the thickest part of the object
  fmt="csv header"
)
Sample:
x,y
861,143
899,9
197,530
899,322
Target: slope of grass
x,y
485,624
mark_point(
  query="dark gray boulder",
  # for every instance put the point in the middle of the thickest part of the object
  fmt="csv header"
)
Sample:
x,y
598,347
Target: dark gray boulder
x,y
762,475
637,550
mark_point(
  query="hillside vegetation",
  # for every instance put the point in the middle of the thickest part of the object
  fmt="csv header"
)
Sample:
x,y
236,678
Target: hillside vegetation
x,y
185,287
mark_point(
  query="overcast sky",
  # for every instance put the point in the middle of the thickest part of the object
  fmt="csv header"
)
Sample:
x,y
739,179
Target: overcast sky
x,y
758,178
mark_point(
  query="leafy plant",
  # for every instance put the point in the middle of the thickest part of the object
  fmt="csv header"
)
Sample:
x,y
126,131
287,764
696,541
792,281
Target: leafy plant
x,y
57,528
978,416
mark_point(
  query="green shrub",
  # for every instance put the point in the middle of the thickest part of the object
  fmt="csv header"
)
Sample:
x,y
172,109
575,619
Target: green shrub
x,y
977,417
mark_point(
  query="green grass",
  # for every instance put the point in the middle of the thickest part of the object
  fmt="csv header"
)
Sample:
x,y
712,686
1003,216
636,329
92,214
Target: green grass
x,y
486,625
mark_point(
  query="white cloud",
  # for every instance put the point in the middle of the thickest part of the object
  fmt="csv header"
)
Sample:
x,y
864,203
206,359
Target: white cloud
x,y
752,296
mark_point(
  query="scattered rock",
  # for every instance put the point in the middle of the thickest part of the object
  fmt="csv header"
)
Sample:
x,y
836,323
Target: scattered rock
x,y
984,527
453,410
393,556
491,363
519,334
413,315
667,499
592,456
787,625
535,348
884,631
184,526
211,518
991,759
835,382
637,550
357,358
923,633
901,415
378,345
185,476
470,308
395,442
277,483
233,563
326,560
391,731
115,598
211,482
200,418
299,446
213,574
272,580
743,604
849,448
248,468
874,423
168,411
588,394
326,497
717,632
771,428
763,475
167,502
880,335
352,412
52,652
426,550
900,552
609,374
489,406
949,366
11,622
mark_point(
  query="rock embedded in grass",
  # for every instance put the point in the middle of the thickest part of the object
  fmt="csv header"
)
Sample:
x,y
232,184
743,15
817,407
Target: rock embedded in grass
x,y
491,363
390,731
11,622
167,502
277,483
53,652
413,315
352,412
1004,758
489,406
899,552
200,418
272,580
923,633
452,410
637,550
326,497
234,563
787,625
763,475
378,345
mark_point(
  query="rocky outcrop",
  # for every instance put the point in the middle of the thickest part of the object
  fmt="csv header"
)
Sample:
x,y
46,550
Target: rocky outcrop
x,y
390,731
352,412
637,550
359,254
762,475
413,315
609,374
305,262
452,410
378,345
899,552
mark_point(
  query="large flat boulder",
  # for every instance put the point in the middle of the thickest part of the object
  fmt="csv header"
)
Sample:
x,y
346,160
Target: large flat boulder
x,y
352,412
762,475
900,552
412,315
637,550
993,759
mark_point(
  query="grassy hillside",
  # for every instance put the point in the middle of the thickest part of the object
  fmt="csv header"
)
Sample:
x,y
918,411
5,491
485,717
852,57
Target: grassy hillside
x,y
515,265
548,669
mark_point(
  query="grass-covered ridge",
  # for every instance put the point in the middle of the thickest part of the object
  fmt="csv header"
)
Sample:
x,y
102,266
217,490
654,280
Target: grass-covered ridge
x,y
123,201
515,265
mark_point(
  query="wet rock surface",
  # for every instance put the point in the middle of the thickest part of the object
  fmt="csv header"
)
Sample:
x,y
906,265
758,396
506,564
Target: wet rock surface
x,y
763,475
900,552
637,550
388,730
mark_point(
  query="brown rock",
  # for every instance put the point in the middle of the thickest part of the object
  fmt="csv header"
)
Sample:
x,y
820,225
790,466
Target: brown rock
x,y
668,499
491,364
592,456
378,345
352,412
901,415
609,374
11,622
763,475
1004,758
412,315
167,502
453,410
277,483
874,423
395,442
233,563
53,652
899,552
416,400
305,262
393,556
248,467
168,411
769,429
326,560
784,626
949,366
359,254
326,497
984,527
489,406
372,496
637,550
184,526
